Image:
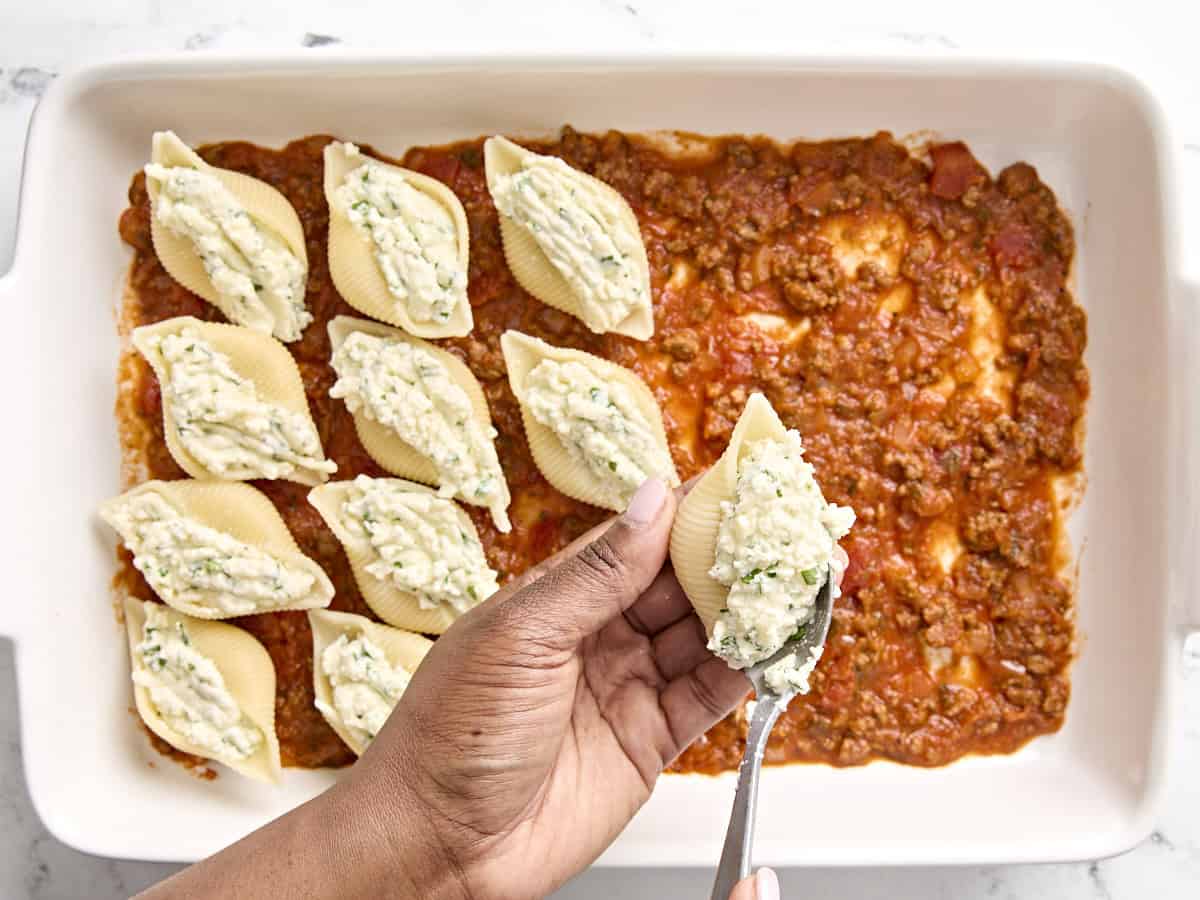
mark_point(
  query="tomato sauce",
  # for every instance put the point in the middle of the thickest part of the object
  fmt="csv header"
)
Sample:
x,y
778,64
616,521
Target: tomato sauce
x,y
936,437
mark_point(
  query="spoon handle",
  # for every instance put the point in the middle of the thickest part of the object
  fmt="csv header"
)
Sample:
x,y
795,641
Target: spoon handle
x,y
735,857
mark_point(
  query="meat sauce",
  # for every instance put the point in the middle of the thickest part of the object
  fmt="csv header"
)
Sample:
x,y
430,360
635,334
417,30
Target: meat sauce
x,y
912,319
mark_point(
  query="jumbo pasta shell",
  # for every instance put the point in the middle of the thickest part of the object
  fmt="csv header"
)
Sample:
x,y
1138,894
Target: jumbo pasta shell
x,y
384,445
536,273
569,475
352,264
249,675
254,356
403,650
264,203
245,514
694,534
396,607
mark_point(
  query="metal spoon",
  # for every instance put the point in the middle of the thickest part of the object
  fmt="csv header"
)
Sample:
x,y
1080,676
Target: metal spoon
x,y
735,857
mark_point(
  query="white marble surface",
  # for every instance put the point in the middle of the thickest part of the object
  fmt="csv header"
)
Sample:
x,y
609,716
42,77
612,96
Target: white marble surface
x,y
1154,38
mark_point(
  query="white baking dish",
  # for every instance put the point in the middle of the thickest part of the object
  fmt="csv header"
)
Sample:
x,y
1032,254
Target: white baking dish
x,y
1095,136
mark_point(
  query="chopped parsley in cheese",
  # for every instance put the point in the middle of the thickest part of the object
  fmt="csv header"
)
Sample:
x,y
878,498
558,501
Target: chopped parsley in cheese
x,y
409,390
584,231
260,282
188,562
423,544
775,542
364,685
599,424
221,421
186,689
414,236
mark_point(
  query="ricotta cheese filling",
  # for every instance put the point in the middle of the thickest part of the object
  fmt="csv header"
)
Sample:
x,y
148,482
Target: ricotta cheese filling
x,y
775,543
364,685
414,236
189,562
790,674
188,692
259,280
222,422
583,231
409,390
599,424
421,544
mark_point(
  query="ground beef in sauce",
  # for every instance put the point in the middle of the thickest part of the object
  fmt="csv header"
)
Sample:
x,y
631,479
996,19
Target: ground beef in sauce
x,y
923,665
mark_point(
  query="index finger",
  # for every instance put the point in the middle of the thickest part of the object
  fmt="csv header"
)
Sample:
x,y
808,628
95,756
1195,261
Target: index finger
x,y
535,572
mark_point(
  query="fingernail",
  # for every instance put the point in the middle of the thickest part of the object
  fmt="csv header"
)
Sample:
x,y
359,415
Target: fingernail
x,y
766,885
646,502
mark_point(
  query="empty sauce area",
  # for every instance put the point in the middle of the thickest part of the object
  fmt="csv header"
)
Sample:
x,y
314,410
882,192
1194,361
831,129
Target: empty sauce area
x,y
913,321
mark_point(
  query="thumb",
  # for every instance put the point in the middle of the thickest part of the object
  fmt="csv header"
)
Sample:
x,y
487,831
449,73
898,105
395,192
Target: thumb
x,y
762,885
599,576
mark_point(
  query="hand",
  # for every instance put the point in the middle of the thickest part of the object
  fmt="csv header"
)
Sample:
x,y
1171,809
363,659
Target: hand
x,y
537,726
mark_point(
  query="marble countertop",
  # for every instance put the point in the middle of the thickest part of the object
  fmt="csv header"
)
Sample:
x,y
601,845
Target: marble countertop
x,y
1153,38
